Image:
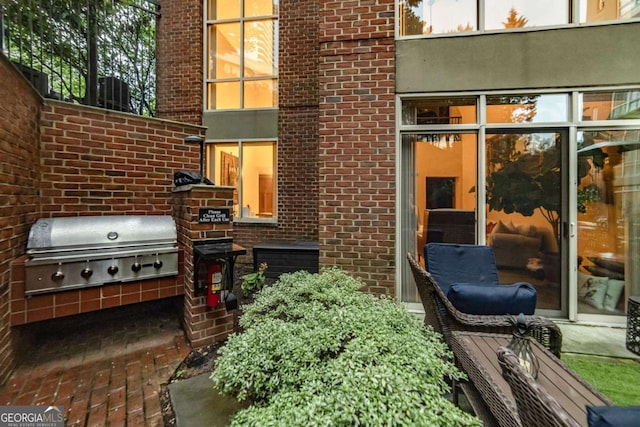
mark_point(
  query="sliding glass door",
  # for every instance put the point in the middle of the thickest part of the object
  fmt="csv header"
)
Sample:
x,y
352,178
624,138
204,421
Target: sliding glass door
x,y
524,209
608,220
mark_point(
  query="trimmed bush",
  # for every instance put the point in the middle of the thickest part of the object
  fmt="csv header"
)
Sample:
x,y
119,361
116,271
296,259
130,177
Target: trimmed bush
x,y
315,351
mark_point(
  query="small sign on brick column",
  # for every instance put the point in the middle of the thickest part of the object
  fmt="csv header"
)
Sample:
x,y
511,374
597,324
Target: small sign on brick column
x,y
214,215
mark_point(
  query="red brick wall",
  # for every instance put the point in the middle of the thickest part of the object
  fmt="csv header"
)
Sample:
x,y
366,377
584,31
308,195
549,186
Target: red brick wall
x,y
179,63
100,162
19,181
357,154
203,325
84,300
297,129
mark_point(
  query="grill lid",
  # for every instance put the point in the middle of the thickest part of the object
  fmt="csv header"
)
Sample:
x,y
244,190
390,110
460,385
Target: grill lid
x,y
94,232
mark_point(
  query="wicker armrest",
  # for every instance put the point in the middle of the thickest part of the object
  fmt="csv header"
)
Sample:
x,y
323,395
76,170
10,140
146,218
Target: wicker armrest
x,y
449,318
535,405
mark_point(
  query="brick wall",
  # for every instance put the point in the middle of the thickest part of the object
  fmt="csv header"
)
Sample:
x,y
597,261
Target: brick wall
x,y
19,182
357,154
180,98
297,129
179,63
203,325
101,162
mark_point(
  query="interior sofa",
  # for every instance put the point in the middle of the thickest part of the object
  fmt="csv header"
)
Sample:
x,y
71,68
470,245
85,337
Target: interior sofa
x,y
514,246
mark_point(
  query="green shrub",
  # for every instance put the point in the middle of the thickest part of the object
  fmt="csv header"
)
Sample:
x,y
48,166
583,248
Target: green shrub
x,y
254,282
317,352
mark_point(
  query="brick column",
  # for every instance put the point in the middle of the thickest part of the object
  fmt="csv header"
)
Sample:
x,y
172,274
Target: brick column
x,y
357,203
203,325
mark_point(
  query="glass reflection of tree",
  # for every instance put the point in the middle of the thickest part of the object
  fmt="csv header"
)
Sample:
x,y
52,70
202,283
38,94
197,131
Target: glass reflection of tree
x,y
515,21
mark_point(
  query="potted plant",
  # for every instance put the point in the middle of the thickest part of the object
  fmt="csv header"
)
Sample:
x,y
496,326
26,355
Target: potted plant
x,y
253,282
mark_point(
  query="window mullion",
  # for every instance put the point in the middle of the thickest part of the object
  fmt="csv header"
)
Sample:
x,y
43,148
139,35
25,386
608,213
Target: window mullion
x,y
241,54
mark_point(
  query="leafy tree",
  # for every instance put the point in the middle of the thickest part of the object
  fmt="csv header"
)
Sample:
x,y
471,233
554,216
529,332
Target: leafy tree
x,y
411,22
77,41
463,28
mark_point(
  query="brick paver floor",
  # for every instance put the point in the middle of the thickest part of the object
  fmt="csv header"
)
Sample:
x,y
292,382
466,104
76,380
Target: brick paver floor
x,y
106,368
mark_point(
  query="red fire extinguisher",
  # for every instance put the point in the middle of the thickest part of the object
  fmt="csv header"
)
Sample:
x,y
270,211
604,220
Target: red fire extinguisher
x,y
214,284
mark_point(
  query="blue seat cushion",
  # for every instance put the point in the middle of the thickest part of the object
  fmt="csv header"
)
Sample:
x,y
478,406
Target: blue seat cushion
x,y
450,263
478,298
613,416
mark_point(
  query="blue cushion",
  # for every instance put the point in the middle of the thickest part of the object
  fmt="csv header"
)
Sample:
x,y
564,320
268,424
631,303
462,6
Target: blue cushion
x,y
613,416
450,263
478,298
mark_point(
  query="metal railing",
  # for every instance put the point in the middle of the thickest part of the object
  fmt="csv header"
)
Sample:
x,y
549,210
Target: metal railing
x,y
93,52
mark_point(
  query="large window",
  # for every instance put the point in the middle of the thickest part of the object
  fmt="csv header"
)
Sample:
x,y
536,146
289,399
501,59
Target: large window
x,y
250,167
426,17
552,181
242,54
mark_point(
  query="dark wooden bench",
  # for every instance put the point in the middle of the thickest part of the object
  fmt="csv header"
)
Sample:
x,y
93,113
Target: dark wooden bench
x,y
284,256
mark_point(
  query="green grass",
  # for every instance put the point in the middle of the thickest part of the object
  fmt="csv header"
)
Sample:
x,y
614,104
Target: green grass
x,y
618,379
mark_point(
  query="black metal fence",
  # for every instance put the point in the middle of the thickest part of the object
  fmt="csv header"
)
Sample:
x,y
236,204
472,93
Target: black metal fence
x,y
93,52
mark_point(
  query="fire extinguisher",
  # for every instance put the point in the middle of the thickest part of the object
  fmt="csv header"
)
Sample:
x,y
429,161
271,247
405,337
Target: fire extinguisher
x,y
215,278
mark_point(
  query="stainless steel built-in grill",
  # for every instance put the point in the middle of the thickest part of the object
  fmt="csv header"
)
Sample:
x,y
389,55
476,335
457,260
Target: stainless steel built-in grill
x,y
76,252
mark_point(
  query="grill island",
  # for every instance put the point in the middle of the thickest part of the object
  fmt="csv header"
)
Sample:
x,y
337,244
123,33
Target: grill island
x,y
76,252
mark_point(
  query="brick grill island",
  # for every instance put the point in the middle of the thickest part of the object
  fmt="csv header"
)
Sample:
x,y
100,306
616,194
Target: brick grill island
x,y
79,264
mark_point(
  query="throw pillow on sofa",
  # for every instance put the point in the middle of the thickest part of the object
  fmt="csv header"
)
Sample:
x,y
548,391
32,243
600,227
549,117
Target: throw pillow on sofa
x,y
614,290
501,227
608,263
474,298
601,271
592,289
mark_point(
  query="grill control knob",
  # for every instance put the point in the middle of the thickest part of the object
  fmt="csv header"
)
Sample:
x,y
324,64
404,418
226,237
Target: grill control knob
x,y
112,270
157,264
136,267
57,276
86,273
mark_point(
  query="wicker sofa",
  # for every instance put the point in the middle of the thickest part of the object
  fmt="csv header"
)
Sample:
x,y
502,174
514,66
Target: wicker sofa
x,y
445,318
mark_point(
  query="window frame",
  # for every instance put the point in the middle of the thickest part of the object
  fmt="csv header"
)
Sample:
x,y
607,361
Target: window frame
x,y
211,171
207,23
573,17
406,223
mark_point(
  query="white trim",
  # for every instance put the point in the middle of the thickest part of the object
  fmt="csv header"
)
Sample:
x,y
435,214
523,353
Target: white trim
x,y
530,91
572,220
481,193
